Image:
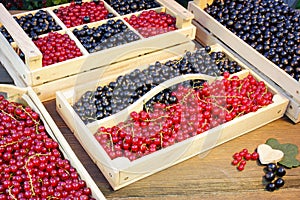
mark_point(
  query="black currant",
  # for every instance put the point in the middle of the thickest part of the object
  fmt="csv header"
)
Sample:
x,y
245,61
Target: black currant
x,y
269,176
280,171
279,182
271,167
270,187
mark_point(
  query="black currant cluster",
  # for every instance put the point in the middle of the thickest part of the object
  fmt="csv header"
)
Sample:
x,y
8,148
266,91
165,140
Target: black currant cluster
x,y
128,88
130,6
166,97
272,170
110,34
34,25
270,27
212,63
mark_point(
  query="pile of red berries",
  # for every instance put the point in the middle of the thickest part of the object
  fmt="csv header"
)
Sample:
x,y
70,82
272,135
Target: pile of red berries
x,y
241,157
150,23
57,47
78,13
196,110
31,164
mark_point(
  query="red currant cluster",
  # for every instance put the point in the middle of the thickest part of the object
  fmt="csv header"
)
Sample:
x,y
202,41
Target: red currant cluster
x,y
57,47
196,110
80,13
31,165
241,158
150,23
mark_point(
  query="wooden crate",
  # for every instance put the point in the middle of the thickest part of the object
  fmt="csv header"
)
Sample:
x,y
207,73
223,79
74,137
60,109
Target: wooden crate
x,y
289,85
31,73
120,171
27,96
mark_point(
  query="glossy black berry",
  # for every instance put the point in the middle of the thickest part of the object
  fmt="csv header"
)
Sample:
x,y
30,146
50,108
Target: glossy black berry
x,y
269,176
279,182
280,171
271,167
270,187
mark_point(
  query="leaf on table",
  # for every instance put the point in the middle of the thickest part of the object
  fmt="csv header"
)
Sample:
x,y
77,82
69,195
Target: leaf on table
x,y
290,152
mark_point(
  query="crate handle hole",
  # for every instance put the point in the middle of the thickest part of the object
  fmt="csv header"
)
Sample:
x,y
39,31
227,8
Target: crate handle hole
x,y
126,178
38,78
110,175
59,105
291,107
38,93
297,91
279,111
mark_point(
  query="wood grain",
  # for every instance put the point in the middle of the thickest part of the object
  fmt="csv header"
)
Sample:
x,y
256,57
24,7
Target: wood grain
x,y
206,176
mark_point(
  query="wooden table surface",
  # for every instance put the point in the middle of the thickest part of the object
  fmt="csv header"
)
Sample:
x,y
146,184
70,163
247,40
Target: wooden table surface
x,y
206,176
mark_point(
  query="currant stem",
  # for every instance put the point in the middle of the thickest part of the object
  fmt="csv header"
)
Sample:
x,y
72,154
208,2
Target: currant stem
x,y
10,194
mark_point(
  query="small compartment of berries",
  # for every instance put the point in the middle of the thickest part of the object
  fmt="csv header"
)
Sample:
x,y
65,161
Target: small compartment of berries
x,y
111,33
124,7
57,47
35,24
78,12
32,165
150,23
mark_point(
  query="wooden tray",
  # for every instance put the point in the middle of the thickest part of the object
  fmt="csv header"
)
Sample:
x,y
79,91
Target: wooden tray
x,y
27,96
289,85
120,171
33,74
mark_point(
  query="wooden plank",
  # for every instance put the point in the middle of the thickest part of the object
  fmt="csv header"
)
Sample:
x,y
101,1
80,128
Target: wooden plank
x,y
33,56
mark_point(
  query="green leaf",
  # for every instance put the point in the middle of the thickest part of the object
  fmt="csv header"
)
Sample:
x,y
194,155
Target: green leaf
x,y
56,2
290,152
298,5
